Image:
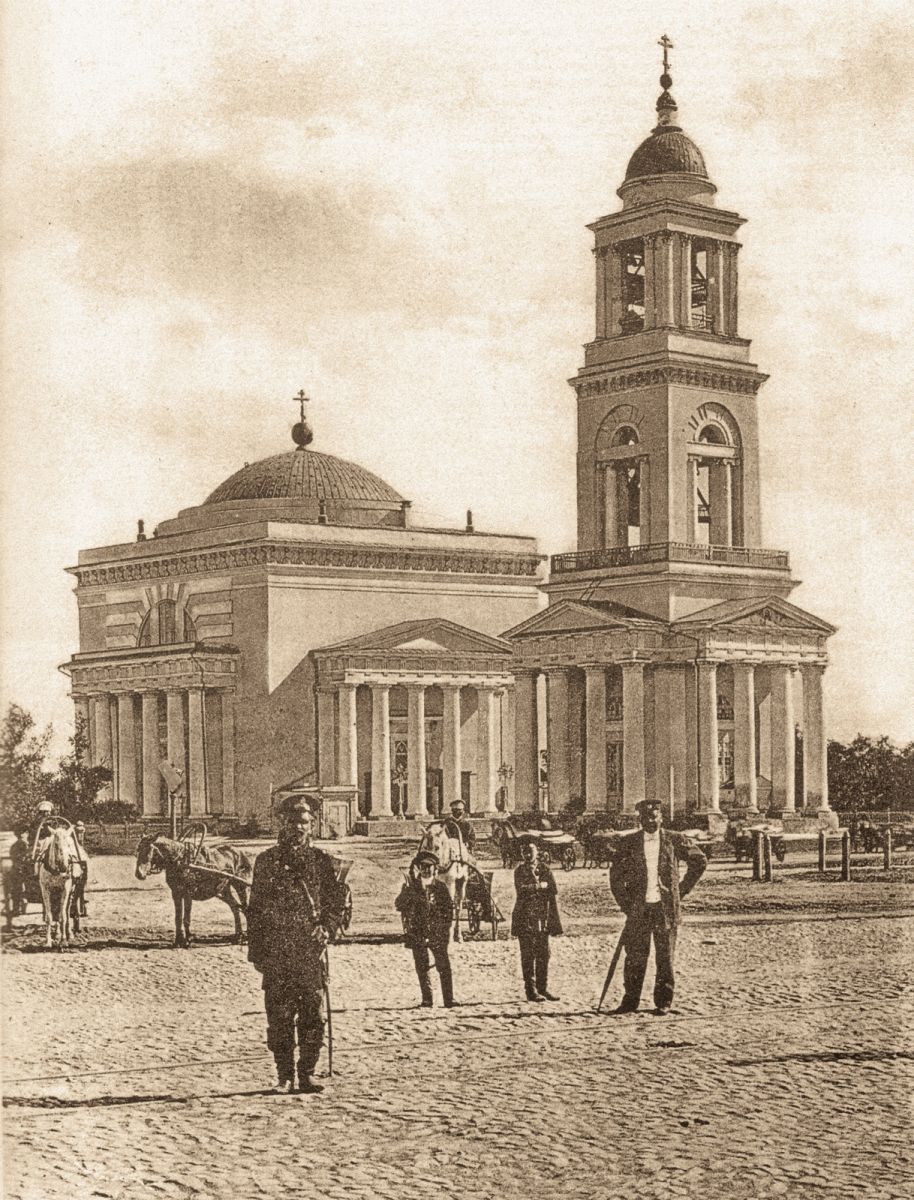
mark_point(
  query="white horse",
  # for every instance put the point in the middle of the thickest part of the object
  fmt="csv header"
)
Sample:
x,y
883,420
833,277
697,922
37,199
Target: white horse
x,y
444,840
58,860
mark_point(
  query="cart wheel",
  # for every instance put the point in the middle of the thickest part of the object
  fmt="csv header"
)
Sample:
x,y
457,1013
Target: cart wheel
x,y
473,918
569,858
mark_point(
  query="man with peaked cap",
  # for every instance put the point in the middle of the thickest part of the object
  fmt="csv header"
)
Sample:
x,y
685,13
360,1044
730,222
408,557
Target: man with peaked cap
x,y
428,914
295,902
459,818
644,879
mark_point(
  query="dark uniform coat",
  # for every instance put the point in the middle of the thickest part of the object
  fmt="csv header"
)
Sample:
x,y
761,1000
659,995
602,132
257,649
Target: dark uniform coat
x,y
293,891
536,910
628,873
428,914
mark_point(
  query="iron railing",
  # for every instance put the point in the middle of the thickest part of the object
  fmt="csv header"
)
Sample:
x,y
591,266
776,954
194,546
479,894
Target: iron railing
x,y
661,552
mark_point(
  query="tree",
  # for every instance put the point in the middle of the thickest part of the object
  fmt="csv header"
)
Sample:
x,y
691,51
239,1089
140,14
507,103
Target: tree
x,y
23,779
870,773
74,787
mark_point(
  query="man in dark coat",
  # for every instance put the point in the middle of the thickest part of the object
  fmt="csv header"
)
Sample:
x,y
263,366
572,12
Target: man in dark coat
x,y
428,914
461,821
295,902
644,878
535,917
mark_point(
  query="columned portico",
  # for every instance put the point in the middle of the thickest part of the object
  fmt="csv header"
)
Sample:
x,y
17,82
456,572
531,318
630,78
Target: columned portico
x,y
745,787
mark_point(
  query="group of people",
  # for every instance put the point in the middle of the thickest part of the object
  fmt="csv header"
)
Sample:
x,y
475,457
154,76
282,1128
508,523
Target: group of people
x,y
295,901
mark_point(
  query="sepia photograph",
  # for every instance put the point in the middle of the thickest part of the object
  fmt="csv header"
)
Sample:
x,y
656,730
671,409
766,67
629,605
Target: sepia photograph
x,y
457,670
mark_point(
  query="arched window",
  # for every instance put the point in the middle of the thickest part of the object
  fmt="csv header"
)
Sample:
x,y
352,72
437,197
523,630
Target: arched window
x,y
715,484
166,624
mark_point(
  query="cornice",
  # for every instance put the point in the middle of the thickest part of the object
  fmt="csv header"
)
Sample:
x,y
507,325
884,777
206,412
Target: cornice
x,y
295,554
716,379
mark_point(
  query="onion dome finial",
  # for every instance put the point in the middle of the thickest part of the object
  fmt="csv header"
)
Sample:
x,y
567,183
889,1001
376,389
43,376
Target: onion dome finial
x,y
302,433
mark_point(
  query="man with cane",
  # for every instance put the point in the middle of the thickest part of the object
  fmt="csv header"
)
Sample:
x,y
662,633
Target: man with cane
x,y
295,902
644,879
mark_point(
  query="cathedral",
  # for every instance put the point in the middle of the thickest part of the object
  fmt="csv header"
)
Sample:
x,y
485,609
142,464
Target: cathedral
x,y
296,630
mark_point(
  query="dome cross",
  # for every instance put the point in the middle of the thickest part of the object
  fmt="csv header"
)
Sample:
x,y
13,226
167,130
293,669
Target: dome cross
x,y
667,46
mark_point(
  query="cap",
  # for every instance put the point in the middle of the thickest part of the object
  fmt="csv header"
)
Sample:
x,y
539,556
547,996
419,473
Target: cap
x,y
642,804
425,857
45,806
528,839
294,804
457,804
80,825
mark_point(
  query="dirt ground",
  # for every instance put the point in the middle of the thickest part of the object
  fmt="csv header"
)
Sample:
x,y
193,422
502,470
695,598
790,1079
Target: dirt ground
x,y
133,1070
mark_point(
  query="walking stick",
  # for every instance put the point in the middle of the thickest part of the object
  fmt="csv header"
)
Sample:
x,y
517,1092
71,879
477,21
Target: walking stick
x,y
612,967
326,973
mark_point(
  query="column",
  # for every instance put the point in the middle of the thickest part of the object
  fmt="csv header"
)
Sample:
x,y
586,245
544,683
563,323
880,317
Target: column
x,y
526,765
380,750
644,478
731,250
451,744
632,735
720,498
685,288
347,760
152,780
326,747
715,306
815,743
196,753
708,775
228,752
486,750
557,737
595,763
174,713
692,500
745,791
650,281
614,300
666,279
615,507
126,750
101,732
415,749
783,739
601,297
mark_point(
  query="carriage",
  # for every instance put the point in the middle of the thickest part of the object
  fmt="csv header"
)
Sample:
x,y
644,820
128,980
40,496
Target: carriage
x,y
742,838
20,879
553,845
479,903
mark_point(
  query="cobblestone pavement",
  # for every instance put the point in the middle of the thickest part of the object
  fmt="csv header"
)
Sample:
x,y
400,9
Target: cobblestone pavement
x,y
786,1069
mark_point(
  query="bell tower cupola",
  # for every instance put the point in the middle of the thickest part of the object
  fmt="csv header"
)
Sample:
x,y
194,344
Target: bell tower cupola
x,y
668,474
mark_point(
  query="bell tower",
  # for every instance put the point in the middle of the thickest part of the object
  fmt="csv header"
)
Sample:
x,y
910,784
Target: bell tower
x,y
667,470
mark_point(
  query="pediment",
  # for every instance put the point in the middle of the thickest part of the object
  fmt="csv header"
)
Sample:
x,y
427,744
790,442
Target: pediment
x,y
771,613
575,616
432,636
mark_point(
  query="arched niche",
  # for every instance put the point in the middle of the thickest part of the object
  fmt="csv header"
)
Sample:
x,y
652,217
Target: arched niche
x,y
715,485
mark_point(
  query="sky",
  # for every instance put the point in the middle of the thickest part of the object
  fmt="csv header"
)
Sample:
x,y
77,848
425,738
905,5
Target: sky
x,y
208,206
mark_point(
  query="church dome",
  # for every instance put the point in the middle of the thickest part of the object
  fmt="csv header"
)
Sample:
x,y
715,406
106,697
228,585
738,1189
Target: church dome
x,y
306,476
668,151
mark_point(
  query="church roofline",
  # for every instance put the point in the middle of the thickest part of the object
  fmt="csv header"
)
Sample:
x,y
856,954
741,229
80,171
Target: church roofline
x,y
688,213
392,637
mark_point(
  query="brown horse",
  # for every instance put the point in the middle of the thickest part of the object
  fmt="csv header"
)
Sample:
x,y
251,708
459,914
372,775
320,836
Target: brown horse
x,y
197,873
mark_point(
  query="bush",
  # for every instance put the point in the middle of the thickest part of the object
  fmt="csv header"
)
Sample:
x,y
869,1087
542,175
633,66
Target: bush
x,y
113,812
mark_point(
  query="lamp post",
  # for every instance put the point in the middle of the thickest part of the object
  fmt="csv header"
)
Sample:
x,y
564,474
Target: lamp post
x,y
505,773
401,777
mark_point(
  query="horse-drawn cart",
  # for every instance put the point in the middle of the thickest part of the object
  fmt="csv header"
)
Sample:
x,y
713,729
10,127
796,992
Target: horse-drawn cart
x,y
479,902
553,844
19,871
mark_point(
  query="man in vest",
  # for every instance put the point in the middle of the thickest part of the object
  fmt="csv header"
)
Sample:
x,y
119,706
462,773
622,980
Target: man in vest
x,y
644,879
